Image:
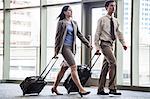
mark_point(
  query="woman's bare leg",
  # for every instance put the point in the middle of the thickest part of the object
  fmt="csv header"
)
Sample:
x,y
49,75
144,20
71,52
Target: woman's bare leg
x,y
76,79
59,77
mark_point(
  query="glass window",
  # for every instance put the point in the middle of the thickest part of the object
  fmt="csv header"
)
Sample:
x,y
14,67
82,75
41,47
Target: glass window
x,y
24,3
127,36
96,14
1,44
24,42
52,14
144,46
1,4
60,1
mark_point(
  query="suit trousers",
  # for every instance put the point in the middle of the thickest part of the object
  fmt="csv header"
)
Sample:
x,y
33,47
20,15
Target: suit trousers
x,y
108,66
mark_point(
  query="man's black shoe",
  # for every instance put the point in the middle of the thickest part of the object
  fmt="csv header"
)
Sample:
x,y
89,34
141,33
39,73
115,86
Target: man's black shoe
x,y
114,92
102,93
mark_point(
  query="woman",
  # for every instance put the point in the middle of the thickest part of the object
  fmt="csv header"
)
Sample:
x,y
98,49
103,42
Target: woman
x,y
65,43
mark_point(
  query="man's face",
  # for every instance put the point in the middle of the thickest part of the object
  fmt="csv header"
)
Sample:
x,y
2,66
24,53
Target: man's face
x,y
111,7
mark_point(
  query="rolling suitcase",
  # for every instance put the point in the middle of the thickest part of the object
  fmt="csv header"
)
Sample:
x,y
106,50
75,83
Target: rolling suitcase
x,y
84,72
35,84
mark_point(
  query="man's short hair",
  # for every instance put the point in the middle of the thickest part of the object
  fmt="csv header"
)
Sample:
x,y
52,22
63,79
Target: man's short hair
x,y
107,2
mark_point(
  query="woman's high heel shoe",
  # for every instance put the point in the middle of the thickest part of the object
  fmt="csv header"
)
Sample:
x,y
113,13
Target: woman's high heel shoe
x,y
55,91
85,93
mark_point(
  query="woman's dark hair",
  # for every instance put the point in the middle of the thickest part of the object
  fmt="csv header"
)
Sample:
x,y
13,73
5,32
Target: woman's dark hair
x,y
62,15
107,2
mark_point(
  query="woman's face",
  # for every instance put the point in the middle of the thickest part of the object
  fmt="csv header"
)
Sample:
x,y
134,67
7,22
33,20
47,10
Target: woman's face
x,y
68,13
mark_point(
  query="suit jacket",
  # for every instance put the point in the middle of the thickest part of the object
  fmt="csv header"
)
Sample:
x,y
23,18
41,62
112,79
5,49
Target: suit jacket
x,y
61,32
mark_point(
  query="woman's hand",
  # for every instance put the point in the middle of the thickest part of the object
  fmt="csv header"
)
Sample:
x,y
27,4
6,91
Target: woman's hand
x,y
55,56
90,46
125,47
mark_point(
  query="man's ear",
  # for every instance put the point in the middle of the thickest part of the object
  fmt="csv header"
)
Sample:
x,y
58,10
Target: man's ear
x,y
106,8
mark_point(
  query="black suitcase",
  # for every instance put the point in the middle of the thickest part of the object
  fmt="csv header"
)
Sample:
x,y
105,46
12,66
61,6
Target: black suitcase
x,y
35,84
84,72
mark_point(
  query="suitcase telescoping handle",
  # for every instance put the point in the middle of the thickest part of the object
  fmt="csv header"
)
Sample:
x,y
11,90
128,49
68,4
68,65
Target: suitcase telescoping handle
x,y
98,54
56,58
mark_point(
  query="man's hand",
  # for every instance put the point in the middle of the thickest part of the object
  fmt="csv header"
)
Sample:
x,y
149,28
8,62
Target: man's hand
x,y
97,53
125,47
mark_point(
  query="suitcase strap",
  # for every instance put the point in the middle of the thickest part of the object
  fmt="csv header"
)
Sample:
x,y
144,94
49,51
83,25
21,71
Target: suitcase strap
x,y
56,58
95,60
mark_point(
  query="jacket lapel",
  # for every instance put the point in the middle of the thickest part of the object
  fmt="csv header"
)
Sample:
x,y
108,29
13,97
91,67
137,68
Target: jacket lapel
x,y
64,24
74,28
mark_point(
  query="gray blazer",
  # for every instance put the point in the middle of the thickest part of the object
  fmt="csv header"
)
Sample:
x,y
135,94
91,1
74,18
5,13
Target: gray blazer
x,y
61,32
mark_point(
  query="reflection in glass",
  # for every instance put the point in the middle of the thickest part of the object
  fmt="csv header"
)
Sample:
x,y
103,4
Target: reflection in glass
x,y
24,3
1,44
24,42
127,36
1,4
60,1
52,14
144,44
96,14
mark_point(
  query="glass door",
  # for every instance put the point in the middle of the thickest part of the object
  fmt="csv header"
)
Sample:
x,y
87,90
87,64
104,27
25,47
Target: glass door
x,y
1,43
96,14
93,11
96,10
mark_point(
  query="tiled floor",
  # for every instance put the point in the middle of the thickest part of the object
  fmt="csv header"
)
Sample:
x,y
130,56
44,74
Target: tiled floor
x,y
13,91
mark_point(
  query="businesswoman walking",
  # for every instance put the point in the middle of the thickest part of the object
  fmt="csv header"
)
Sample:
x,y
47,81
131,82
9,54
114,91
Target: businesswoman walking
x,y
65,43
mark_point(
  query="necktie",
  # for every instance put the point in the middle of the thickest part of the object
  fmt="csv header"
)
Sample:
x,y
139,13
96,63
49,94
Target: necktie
x,y
112,29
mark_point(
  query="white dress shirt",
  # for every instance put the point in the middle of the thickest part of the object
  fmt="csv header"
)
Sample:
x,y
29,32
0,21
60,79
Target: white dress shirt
x,y
103,31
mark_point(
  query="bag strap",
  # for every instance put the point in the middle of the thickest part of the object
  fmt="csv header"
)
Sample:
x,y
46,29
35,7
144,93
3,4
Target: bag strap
x,y
98,54
95,61
56,58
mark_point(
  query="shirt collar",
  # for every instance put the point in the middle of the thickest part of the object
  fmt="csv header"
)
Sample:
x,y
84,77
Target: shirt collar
x,y
109,16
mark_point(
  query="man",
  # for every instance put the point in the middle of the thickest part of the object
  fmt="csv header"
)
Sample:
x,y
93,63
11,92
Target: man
x,y
106,33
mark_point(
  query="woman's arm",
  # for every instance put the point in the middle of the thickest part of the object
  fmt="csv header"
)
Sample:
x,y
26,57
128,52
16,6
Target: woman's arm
x,y
83,39
58,37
